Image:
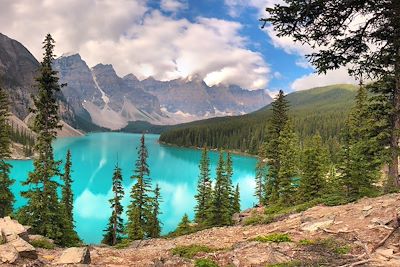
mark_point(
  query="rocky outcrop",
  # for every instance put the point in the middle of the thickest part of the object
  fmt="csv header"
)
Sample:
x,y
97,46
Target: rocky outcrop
x,y
15,245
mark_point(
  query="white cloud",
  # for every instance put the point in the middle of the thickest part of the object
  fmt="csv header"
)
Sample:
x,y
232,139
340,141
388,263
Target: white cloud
x,y
173,5
338,76
137,39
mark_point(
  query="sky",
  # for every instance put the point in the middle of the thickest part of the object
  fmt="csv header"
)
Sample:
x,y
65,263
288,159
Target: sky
x,y
220,41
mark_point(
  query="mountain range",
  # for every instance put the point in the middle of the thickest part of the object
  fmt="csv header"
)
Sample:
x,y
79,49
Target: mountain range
x,y
97,98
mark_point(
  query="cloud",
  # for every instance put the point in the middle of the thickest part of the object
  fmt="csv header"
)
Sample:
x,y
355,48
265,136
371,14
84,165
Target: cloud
x,y
138,39
173,5
338,76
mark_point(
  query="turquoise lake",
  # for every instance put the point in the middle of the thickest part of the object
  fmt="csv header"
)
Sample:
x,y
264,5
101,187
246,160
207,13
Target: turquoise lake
x,y
93,160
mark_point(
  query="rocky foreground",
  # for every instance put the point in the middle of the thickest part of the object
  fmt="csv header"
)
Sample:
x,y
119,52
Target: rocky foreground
x,y
364,233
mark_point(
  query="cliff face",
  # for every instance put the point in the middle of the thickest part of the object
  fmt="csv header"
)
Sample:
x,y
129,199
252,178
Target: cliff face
x,y
364,233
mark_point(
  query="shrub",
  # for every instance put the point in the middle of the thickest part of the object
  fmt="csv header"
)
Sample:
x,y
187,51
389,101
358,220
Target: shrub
x,y
205,263
42,243
307,242
287,264
275,238
329,244
190,251
123,244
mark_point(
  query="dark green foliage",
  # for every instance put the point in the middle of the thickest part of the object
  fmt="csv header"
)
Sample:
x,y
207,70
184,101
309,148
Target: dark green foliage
x,y
42,243
154,226
288,149
42,211
220,211
70,237
140,208
7,198
261,176
236,200
205,263
361,156
329,25
274,238
190,251
277,123
115,228
184,227
322,110
204,189
21,136
314,170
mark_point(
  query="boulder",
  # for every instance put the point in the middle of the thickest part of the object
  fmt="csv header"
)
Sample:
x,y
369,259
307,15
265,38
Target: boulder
x,y
13,227
314,226
24,249
74,256
39,237
8,254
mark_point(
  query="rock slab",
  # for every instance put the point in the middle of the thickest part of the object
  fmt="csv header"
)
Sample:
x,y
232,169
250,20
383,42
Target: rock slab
x,y
74,256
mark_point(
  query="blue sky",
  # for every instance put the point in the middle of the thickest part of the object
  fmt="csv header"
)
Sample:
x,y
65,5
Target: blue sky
x,y
217,40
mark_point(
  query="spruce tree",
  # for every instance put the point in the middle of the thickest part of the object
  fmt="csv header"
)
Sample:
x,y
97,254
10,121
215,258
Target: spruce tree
x,y
7,198
184,227
278,122
314,168
70,237
236,200
289,164
154,225
204,189
220,210
42,211
115,228
140,208
261,174
361,159
229,185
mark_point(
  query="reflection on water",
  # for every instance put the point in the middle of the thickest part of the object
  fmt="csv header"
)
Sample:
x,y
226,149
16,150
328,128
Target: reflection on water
x,y
174,169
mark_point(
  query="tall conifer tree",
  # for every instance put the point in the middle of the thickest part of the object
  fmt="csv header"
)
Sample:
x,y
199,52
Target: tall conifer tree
x,y
70,237
229,185
261,174
140,208
154,225
289,164
278,122
314,168
7,198
204,189
42,211
115,228
236,200
220,210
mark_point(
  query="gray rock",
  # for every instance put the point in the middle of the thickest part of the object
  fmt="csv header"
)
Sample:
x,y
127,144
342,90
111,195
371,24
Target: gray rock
x,y
25,250
74,255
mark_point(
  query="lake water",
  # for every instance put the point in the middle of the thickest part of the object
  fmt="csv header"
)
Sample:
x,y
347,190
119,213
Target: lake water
x,y
93,160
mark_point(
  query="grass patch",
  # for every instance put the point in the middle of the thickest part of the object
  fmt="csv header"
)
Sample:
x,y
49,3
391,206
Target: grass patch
x,y
42,243
274,238
205,263
293,263
329,244
125,243
190,251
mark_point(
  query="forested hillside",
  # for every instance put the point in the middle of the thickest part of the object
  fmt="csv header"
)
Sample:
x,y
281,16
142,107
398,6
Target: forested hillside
x,y
322,109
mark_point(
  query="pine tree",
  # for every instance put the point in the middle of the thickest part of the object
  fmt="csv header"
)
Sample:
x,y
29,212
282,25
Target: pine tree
x,y
220,210
236,200
154,225
140,208
70,237
184,227
289,164
261,174
7,198
361,159
313,170
229,185
278,122
42,211
115,228
204,189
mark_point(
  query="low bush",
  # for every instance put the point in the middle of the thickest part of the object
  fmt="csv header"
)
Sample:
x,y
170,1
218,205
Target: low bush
x,y
190,251
205,263
275,238
42,243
